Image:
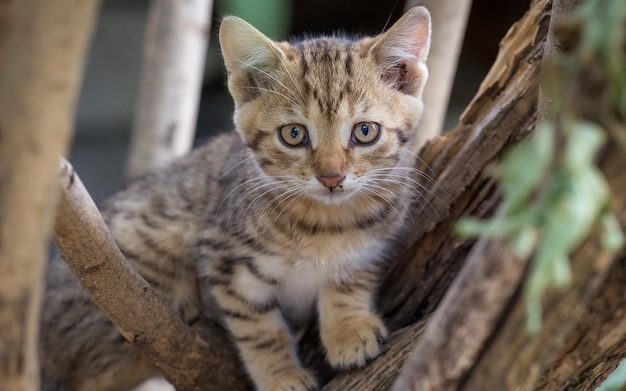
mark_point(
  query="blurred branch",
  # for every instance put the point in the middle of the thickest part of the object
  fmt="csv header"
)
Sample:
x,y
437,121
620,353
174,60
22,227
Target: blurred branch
x,y
43,52
169,94
184,358
449,19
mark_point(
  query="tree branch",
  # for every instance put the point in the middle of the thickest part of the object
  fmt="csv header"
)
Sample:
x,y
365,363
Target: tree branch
x,y
185,359
44,44
174,52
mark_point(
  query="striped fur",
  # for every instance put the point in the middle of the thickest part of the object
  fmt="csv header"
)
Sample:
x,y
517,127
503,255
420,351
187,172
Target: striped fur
x,y
269,232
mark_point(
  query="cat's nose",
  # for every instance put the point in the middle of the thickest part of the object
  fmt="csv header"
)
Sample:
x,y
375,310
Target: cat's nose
x,y
331,181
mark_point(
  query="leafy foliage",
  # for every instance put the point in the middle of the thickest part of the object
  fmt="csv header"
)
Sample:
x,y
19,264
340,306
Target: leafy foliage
x,y
554,195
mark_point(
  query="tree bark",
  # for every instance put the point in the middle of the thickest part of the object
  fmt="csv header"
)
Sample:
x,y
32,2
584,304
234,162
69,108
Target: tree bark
x,y
42,64
169,93
185,358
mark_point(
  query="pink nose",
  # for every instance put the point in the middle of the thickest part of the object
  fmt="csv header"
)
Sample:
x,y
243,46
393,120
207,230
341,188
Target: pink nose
x,y
331,181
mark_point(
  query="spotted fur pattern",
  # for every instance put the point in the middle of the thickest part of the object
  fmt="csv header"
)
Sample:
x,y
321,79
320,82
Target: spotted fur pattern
x,y
288,216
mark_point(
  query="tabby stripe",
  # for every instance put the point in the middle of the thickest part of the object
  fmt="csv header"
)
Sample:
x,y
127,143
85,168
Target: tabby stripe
x,y
402,135
261,308
257,140
237,315
144,267
254,270
316,228
147,220
348,64
352,286
154,247
216,280
215,245
271,343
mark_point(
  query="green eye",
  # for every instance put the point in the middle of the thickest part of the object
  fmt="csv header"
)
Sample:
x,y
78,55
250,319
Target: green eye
x,y
365,133
293,135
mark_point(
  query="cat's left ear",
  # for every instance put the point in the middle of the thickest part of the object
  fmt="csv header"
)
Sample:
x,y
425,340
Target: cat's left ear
x,y
402,50
249,55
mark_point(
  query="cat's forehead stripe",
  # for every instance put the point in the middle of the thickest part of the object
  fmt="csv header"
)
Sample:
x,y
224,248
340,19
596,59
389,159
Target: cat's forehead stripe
x,y
326,67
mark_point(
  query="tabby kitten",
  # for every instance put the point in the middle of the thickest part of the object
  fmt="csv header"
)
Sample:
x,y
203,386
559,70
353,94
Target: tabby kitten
x,y
288,216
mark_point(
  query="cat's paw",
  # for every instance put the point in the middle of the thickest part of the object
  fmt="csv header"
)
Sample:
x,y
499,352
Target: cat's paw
x,y
292,380
353,343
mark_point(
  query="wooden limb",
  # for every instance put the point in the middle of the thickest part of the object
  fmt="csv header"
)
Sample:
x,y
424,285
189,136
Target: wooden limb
x,y
449,18
515,360
185,359
43,51
552,48
503,111
169,94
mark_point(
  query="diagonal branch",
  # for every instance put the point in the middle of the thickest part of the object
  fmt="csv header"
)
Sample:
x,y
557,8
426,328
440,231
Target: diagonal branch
x,y
185,359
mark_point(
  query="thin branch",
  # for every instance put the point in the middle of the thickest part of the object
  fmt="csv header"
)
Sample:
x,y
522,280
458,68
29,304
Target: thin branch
x,y
42,64
185,359
173,67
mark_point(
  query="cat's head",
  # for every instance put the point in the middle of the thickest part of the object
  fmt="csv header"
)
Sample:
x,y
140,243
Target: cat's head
x,y
331,116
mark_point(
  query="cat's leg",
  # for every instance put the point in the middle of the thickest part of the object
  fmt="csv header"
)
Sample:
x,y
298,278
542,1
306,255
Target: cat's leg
x,y
266,346
351,333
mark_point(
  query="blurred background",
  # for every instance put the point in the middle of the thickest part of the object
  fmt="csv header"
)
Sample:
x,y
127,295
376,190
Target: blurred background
x,y
109,91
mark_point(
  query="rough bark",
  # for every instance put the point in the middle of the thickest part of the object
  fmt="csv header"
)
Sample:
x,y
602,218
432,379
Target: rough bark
x,y
188,360
169,93
449,18
43,47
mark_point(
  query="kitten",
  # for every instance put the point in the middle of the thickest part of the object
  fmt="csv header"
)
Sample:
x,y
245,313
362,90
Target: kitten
x,y
288,216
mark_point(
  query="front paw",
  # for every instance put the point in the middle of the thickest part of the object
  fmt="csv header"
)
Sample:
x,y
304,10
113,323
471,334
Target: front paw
x,y
354,341
292,379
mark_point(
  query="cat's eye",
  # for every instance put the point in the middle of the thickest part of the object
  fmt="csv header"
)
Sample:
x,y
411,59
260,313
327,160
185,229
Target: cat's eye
x,y
293,135
365,133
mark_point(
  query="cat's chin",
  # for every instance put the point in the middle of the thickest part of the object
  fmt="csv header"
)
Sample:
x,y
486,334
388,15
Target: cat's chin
x,y
331,197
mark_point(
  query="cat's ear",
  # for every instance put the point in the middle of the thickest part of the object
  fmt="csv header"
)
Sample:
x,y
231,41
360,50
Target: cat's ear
x,y
402,50
249,55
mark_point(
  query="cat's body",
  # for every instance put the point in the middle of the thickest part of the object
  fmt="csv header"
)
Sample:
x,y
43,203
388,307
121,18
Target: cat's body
x,y
289,219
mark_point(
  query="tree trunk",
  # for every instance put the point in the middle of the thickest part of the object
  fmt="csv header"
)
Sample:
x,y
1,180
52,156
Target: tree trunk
x,y
449,18
44,44
171,79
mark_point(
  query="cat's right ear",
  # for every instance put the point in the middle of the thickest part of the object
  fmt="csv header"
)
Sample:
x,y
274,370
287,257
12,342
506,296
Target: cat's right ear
x,y
249,55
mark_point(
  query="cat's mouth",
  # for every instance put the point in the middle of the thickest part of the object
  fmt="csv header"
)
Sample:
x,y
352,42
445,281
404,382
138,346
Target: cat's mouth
x,y
331,195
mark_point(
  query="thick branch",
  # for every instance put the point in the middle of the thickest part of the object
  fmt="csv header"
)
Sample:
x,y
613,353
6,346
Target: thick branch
x,y
44,44
174,52
185,359
465,319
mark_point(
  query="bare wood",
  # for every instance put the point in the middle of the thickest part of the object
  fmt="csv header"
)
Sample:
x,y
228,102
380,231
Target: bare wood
x,y
184,358
464,320
449,19
43,58
169,94
503,111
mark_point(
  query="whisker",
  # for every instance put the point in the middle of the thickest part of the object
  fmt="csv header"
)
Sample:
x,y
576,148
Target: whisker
x,y
235,166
